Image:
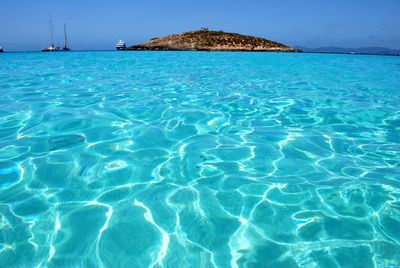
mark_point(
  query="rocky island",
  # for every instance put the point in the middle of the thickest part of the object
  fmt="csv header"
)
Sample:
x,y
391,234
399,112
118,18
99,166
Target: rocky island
x,y
207,40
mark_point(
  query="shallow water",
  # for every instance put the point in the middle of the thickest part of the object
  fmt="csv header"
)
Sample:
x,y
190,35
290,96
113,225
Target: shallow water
x,y
151,159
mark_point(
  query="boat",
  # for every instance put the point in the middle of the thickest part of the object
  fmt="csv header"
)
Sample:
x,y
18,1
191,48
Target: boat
x,y
52,47
120,45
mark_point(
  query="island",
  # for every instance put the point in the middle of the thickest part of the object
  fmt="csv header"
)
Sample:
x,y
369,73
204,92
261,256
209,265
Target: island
x,y
207,40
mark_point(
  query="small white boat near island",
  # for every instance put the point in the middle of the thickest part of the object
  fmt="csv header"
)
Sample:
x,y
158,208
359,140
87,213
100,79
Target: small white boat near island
x,y
120,45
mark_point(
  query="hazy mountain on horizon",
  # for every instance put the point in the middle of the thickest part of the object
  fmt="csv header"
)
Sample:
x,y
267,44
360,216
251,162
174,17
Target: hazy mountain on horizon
x,y
345,50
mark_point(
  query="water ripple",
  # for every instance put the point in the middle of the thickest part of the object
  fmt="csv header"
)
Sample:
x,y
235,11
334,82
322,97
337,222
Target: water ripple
x,y
188,160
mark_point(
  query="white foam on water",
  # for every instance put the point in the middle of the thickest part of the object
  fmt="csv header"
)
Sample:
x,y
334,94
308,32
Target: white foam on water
x,y
165,237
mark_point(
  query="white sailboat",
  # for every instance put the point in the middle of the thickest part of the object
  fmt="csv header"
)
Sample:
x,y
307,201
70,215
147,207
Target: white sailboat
x,y
52,47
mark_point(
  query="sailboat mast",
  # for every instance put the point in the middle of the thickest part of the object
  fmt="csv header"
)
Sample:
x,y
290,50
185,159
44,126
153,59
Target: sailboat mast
x,y
65,37
51,32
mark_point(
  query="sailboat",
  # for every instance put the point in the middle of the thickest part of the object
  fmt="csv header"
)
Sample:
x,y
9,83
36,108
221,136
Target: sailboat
x,y
52,47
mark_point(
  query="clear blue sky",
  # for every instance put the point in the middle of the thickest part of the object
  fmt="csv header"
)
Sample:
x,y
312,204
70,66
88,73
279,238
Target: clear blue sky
x,y
97,24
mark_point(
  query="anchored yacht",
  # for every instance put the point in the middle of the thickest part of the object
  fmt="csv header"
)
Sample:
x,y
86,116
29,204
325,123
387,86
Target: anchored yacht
x,y
120,45
52,47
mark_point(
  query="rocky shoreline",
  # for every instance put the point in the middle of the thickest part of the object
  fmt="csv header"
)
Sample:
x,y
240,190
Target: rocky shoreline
x,y
207,40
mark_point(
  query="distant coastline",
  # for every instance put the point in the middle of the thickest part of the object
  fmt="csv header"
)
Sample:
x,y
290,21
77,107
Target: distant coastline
x,y
384,51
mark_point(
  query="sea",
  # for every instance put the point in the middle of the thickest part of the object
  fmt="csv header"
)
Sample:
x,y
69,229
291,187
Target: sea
x,y
199,159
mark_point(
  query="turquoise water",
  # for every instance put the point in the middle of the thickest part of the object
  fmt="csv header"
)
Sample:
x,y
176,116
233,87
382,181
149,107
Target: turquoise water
x,y
152,159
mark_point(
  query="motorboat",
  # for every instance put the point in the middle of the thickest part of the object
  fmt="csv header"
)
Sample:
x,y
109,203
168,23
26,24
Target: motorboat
x,y
120,45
